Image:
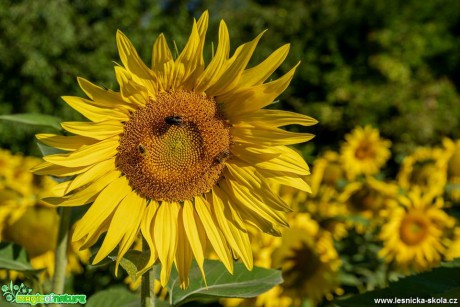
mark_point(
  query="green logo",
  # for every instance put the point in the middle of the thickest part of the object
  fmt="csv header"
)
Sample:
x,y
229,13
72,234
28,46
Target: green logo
x,y
22,295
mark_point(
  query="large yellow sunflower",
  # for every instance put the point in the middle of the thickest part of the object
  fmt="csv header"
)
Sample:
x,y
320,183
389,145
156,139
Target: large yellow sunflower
x,y
181,154
364,152
414,238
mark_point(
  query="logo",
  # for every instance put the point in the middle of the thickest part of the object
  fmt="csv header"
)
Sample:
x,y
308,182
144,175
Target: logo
x,y
22,295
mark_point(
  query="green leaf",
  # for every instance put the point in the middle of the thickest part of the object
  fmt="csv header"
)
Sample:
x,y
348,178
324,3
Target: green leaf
x,y
34,119
220,283
14,257
440,282
133,262
117,297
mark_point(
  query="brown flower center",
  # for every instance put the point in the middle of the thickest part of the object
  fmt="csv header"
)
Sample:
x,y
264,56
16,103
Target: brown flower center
x,y
364,151
299,265
414,228
175,147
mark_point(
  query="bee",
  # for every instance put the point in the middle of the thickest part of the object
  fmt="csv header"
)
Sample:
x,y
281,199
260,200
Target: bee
x,y
221,157
173,120
141,149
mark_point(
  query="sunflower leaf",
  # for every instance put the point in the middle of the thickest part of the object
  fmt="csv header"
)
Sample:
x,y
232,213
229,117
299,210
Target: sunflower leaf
x,y
34,119
133,262
436,285
14,257
220,283
114,297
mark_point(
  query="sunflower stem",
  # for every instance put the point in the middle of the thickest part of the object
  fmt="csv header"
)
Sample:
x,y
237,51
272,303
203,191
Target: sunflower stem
x,y
147,286
60,263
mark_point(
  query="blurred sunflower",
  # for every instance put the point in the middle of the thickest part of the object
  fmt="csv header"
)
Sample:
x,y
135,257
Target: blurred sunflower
x,y
27,221
308,260
414,238
453,167
364,152
426,169
368,198
327,171
454,248
182,154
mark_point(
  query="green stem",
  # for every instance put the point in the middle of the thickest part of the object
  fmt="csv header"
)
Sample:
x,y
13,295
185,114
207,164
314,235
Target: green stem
x,y
60,262
148,279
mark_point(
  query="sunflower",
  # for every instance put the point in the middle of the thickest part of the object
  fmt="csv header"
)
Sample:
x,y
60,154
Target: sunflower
x,y
308,260
364,152
454,247
452,149
425,168
182,154
368,199
414,237
27,221
327,171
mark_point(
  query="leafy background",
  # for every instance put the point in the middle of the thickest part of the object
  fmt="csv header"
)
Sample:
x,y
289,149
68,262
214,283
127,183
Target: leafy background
x,y
394,64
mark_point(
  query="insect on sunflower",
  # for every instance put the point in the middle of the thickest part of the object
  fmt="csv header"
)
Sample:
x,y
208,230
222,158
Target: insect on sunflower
x,y
183,154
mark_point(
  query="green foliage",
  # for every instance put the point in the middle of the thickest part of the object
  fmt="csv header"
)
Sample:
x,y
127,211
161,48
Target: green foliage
x,y
392,64
117,296
438,283
220,283
14,257
37,119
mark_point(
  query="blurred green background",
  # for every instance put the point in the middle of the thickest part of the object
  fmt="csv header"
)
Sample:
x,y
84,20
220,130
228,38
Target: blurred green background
x,y
393,64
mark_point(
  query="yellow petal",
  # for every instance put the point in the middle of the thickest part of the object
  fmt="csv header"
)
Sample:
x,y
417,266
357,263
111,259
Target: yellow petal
x,y
268,137
147,229
125,221
183,258
102,97
134,64
95,113
98,131
47,168
248,214
103,207
288,161
132,90
92,174
69,143
86,195
288,179
87,155
198,63
253,154
274,118
213,71
231,212
255,97
236,237
160,53
251,179
190,221
258,74
231,76
188,59
246,198
137,211
165,236
215,236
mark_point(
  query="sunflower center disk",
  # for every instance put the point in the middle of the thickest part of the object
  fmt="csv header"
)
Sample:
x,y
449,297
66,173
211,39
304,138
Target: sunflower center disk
x,y
414,229
175,147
